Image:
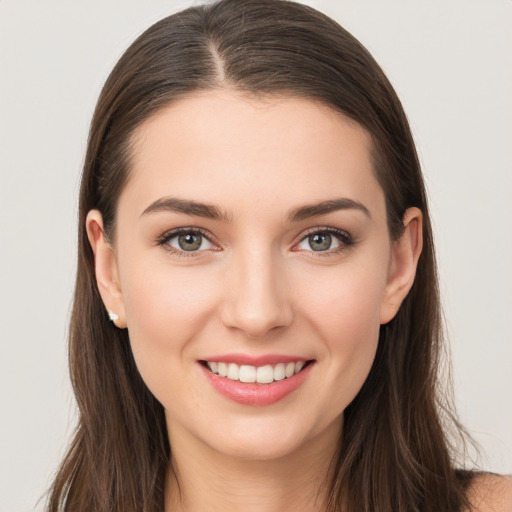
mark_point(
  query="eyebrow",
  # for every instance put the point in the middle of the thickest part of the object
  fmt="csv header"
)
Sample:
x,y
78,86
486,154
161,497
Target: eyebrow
x,y
209,211
325,207
173,204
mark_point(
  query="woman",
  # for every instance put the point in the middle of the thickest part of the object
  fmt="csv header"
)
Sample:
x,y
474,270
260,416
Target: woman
x,y
253,219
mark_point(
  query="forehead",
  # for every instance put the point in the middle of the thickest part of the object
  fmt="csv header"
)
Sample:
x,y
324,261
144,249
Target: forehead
x,y
222,146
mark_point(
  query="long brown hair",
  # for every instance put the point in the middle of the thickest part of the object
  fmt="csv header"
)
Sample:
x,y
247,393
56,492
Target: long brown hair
x,y
395,455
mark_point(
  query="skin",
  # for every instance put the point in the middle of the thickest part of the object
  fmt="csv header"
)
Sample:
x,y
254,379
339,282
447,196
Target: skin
x,y
256,287
491,493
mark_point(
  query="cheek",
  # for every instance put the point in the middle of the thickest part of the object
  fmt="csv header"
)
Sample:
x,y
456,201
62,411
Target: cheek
x,y
165,308
344,302
345,315
159,297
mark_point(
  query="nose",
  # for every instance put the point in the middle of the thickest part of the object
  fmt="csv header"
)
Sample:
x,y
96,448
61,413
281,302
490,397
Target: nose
x,y
257,297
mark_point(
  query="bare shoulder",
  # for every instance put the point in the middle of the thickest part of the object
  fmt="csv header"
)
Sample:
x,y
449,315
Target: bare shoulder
x,y
491,493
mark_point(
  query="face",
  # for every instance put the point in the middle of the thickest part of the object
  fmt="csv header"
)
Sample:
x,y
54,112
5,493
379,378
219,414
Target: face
x,y
251,240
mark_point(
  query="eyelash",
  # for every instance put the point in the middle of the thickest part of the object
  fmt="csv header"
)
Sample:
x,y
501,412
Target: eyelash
x,y
163,241
345,239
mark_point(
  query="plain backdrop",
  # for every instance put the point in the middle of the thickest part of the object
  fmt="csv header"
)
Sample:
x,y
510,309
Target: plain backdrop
x,y
451,64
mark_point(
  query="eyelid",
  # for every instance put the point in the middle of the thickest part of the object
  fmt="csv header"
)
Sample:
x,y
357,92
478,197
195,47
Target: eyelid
x,y
346,240
163,241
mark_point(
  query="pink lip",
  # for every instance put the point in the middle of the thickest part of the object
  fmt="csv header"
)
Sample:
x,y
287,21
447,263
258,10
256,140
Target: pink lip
x,y
256,394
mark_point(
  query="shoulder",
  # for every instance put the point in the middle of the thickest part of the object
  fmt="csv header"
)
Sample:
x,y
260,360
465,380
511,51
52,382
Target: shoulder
x,y
491,493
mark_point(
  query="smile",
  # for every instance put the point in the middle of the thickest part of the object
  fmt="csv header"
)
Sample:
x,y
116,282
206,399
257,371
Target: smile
x,y
255,374
263,383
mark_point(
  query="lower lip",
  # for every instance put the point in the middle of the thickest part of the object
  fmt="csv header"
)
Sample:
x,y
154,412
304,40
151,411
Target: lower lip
x,y
257,394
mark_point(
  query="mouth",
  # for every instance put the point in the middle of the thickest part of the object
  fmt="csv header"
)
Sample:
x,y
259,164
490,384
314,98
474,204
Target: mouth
x,y
256,385
266,374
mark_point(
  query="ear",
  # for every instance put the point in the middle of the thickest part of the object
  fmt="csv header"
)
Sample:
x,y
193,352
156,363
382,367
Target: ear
x,y
105,267
405,253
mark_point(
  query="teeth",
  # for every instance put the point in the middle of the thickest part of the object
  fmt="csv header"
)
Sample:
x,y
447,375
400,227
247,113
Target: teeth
x,y
222,369
233,371
247,373
265,374
261,374
279,371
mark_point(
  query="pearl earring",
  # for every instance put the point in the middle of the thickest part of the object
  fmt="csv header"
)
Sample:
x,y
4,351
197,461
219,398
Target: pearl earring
x,y
113,316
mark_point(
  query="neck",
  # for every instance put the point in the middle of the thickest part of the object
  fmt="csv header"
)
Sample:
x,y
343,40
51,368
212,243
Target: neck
x,y
204,479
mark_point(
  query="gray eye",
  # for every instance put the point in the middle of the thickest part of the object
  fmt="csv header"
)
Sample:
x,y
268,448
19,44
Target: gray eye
x,y
320,241
190,241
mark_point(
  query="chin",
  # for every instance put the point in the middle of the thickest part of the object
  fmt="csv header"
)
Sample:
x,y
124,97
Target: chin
x,y
257,448
272,440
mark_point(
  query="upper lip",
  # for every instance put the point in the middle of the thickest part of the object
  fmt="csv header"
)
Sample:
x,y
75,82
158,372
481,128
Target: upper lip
x,y
260,360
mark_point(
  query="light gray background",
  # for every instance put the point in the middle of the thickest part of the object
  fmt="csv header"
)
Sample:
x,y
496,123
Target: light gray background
x,y
450,62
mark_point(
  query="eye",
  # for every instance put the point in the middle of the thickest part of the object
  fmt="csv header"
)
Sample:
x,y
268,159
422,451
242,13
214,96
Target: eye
x,y
325,240
186,240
